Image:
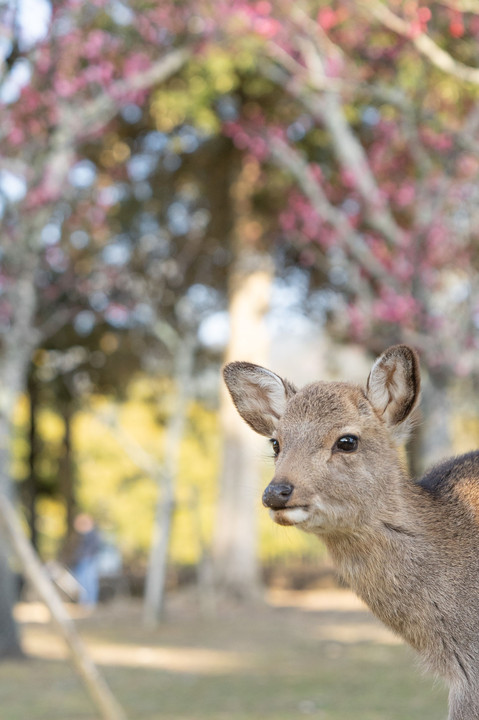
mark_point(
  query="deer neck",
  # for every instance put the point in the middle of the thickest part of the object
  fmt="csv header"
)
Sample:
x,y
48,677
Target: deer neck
x,y
394,565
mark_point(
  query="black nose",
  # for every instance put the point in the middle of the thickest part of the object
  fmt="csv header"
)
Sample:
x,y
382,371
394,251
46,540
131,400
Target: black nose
x,y
277,495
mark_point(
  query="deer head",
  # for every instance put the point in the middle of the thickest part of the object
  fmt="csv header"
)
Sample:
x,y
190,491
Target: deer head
x,y
334,443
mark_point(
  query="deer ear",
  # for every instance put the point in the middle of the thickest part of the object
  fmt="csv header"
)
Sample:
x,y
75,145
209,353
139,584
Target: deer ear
x,y
259,395
393,386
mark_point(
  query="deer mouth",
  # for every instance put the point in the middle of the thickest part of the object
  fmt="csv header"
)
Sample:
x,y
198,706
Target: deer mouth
x,y
295,515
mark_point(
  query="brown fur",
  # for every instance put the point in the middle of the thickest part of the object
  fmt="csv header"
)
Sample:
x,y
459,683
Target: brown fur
x,y
409,548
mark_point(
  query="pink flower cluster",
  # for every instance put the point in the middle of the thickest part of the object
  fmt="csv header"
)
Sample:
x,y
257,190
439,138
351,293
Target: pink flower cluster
x,y
398,308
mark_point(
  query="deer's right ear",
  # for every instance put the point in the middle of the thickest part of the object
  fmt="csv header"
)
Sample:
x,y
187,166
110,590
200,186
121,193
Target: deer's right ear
x,y
393,387
259,395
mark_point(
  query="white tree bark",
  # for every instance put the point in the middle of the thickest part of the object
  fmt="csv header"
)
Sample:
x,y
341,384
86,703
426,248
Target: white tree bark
x,y
166,478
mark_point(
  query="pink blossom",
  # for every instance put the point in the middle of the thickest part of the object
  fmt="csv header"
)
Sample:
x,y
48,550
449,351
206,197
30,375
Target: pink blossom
x,y
307,258
404,269
147,30
405,194
357,321
259,148
30,99
394,308
135,63
267,27
101,74
468,166
241,140
438,141
43,63
474,24
64,87
40,195
16,136
263,7
316,171
96,215
287,220
456,25
95,44
334,66
56,258
327,18
117,314
277,132
347,177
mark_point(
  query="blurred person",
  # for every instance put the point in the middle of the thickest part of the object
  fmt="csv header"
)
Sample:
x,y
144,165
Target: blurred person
x,y
81,556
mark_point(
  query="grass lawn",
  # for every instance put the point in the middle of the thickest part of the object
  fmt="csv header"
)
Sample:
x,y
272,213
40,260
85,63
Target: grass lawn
x,y
318,655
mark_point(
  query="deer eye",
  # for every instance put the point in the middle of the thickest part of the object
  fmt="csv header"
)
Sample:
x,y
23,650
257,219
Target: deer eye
x,y
347,443
275,446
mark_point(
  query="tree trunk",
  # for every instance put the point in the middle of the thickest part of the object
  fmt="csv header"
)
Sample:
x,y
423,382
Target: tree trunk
x,y
158,560
66,470
17,351
32,480
235,551
235,556
10,646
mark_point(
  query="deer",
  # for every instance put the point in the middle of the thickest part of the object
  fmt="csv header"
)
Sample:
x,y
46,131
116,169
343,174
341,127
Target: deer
x,y
409,548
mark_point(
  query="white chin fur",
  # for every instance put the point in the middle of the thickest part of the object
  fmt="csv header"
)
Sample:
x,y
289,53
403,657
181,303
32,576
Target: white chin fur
x,y
290,516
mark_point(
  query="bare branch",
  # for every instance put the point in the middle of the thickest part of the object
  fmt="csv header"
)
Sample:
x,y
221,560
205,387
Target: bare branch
x,y
463,6
297,71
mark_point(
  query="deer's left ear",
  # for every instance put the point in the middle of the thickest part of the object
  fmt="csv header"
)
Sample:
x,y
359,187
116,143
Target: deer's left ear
x,y
260,395
393,386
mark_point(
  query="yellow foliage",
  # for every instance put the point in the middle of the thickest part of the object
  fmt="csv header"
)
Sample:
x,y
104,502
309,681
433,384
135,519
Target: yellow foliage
x,y
51,426
352,114
120,151
51,526
123,497
192,97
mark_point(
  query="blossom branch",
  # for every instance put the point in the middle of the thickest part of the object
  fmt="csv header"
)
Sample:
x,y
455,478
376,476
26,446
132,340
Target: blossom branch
x,y
426,46
292,161
103,108
326,107
350,152
75,123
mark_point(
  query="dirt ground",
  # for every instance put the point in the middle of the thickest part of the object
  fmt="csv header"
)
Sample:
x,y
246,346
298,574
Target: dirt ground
x,y
318,653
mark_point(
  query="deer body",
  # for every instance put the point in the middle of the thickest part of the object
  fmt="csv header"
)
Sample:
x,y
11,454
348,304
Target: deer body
x,y
409,548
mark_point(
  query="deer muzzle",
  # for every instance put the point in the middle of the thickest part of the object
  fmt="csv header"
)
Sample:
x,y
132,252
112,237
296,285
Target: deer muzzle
x,y
277,495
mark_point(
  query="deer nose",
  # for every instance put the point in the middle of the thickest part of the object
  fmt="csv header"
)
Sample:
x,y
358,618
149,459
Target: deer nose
x,y
277,495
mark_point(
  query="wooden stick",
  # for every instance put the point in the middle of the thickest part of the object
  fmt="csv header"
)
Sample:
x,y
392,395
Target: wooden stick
x,y
94,682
